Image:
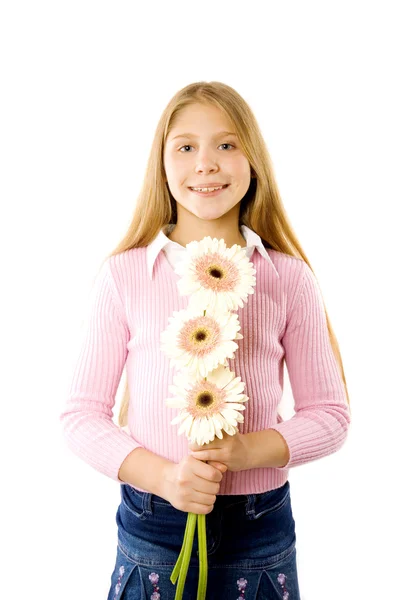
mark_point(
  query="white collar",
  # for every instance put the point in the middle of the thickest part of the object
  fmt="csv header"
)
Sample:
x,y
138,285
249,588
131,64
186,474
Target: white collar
x,y
253,240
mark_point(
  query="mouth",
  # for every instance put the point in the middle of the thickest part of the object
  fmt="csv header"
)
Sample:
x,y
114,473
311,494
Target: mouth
x,y
214,192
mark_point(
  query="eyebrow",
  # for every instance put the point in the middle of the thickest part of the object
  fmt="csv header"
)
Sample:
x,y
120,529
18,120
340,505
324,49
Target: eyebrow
x,y
188,135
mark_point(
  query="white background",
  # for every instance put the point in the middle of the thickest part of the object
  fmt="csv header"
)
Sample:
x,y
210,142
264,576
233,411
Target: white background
x,y
83,85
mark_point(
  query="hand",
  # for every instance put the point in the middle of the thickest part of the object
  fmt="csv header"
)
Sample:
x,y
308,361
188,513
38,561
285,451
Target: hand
x,y
192,485
230,451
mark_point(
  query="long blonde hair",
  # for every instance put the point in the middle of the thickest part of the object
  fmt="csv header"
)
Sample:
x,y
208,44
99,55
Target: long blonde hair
x,y
261,208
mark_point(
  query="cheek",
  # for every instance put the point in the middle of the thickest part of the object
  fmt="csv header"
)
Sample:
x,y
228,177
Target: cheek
x,y
239,166
178,173
245,167
172,165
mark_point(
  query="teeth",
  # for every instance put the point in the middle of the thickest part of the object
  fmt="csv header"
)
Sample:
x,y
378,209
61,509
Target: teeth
x,y
208,189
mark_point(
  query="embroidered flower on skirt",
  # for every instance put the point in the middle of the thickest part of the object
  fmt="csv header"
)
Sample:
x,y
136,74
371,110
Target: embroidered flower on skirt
x,y
281,580
154,577
242,584
118,584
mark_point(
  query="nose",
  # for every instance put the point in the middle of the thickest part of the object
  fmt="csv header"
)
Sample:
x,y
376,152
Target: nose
x,y
206,163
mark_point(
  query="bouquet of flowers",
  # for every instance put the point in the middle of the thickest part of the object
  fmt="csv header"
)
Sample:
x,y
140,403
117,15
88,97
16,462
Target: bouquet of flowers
x,y
199,340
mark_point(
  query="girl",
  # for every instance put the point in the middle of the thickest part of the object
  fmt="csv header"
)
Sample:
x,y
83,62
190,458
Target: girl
x,y
207,137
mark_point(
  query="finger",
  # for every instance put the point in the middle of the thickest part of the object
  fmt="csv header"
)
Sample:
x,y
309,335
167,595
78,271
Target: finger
x,y
200,509
205,455
218,465
206,487
206,472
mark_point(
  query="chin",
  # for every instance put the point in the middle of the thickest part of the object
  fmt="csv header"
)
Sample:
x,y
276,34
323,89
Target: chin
x,y
210,216
211,212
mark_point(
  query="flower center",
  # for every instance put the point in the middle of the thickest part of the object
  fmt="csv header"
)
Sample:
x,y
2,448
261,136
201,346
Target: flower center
x,y
200,335
215,272
204,399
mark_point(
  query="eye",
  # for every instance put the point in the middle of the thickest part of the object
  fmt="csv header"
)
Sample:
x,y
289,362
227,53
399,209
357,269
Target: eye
x,y
189,146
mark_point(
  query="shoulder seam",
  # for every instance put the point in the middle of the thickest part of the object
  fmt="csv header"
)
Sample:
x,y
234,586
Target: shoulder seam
x,y
298,292
114,293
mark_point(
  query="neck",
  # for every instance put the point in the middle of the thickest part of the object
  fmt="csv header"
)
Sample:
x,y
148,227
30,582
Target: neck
x,y
189,230
230,237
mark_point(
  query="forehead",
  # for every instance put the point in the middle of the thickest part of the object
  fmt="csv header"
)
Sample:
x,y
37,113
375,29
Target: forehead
x,y
199,119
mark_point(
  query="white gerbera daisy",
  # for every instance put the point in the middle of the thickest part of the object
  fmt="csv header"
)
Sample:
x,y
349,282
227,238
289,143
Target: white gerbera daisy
x,y
199,343
208,406
216,276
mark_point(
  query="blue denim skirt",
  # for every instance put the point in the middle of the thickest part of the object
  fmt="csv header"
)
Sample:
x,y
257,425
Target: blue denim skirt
x,y
251,548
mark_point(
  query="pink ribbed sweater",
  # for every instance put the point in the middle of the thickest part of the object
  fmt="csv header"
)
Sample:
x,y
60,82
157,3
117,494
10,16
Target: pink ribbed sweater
x,y
283,320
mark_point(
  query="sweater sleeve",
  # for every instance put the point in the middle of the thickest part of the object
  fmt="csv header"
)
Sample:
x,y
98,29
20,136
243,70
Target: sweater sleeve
x,y
87,418
322,415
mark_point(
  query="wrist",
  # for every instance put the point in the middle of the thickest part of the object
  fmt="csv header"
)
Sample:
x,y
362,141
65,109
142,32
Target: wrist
x,y
167,480
144,469
266,448
247,451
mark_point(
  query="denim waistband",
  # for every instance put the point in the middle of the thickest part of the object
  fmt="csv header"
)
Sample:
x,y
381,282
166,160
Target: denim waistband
x,y
222,501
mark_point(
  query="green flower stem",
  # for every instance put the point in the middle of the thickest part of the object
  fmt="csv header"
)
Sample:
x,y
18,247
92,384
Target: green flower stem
x,y
202,585
182,564
177,568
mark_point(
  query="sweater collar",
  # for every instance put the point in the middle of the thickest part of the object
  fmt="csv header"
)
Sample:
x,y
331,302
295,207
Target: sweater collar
x,y
253,240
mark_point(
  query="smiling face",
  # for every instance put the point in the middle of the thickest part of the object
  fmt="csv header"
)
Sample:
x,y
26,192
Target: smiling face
x,y
203,155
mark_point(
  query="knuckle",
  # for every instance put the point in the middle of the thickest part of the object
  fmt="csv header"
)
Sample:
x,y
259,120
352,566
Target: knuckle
x,y
181,482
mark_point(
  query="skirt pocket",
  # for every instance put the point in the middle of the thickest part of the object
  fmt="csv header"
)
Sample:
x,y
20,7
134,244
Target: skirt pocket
x,y
257,534
135,502
270,502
